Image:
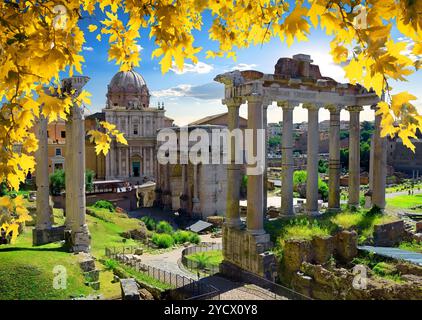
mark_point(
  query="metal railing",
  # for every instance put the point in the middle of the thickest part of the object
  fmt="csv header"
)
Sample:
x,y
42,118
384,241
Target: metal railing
x,y
273,289
197,266
184,286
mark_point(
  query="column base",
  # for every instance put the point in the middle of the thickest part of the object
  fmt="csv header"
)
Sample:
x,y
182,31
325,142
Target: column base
x,y
49,235
353,206
333,210
256,232
233,223
313,213
78,241
247,252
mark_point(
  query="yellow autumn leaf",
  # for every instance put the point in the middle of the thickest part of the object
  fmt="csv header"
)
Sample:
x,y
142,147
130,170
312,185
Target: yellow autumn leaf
x,y
92,27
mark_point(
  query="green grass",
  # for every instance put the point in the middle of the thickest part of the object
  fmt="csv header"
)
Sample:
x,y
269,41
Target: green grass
x,y
362,221
26,272
301,227
380,267
414,246
143,277
405,201
212,258
105,228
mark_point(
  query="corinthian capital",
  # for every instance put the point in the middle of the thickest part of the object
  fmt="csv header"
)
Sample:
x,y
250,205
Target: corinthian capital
x,y
354,108
333,108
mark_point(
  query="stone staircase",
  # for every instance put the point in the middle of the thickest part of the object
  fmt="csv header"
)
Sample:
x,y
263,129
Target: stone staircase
x,y
91,273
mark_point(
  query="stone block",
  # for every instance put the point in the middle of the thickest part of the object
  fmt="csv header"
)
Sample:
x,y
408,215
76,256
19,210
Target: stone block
x,y
129,289
92,276
419,227
389,234
323,248
217,221
346,243
273,212
295,252
54,234
302,283
145,294
94,285
86,262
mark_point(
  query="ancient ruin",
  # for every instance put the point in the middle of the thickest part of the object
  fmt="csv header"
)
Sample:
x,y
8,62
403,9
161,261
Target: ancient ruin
x,y
296,81
75,230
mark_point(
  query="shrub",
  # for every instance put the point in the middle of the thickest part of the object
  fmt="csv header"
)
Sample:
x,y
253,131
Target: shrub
x,y
89,180
150,223
182,236
164,227
163,240
104,204
110,264
57,182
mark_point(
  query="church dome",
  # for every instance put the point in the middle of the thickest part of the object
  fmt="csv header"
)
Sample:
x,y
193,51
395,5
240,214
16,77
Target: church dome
x,y
128,89
127,79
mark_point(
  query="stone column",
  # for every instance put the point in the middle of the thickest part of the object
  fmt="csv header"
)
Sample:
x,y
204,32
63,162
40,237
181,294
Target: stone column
x,y
265,178
312,160
68,166
380,165
255,220
287,162
119,160
196,206
44,219
183,194
354,155
76,174
112,161
233,169
127,162
334,166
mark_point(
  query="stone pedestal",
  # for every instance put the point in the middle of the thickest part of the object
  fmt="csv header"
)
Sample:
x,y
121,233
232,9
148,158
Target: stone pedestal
x,y
44,236
246,251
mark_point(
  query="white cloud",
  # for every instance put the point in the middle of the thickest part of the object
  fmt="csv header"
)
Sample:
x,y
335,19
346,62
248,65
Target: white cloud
x,y
140,48
208,91
200,67
244,66
87,48
410,44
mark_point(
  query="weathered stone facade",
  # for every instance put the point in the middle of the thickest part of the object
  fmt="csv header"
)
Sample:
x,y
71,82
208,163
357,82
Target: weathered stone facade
x,y
198,190
249,252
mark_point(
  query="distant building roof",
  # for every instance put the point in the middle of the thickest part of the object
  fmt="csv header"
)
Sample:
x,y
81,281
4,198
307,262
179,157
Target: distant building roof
x,y
98,115
210,118
199,226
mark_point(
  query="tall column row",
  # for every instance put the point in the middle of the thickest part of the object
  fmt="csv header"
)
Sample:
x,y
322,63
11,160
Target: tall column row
x,y
256,198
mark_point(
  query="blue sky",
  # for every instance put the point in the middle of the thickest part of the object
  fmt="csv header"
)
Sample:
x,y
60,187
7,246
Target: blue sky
x,y
193,94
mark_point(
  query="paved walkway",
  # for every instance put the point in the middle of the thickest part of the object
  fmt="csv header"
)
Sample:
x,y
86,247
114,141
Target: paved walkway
x,y
230,290
395,253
